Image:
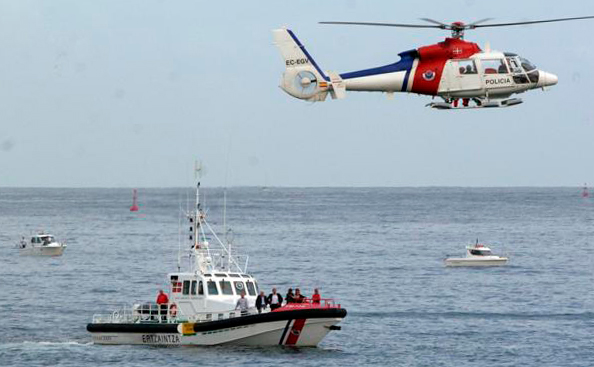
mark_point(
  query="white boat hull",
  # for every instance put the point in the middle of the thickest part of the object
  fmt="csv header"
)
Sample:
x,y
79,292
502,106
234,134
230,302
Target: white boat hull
x,y
475,262
42,250
288,331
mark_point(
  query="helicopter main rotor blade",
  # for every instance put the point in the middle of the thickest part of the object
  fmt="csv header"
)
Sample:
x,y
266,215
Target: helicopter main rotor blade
x,y
479,21
443,25
386,24
530,22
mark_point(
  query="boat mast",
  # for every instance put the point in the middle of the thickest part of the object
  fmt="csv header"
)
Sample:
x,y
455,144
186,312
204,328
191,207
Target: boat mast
x,y
179,237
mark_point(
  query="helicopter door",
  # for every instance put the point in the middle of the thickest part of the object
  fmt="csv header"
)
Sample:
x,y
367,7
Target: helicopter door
x,y
516,70
495,74
464,76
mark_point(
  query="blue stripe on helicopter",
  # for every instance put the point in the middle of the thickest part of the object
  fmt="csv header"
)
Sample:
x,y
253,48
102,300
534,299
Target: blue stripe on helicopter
x,y
307,54
404,64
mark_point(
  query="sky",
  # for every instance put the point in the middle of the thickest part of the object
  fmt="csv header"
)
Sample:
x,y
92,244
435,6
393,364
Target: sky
x,y
128,93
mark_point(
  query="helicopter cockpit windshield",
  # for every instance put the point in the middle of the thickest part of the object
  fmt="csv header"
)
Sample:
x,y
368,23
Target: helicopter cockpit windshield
x,y
523,71
527,65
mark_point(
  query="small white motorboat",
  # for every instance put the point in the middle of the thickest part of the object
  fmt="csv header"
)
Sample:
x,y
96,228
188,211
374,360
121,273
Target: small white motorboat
x,y
41,244
477,255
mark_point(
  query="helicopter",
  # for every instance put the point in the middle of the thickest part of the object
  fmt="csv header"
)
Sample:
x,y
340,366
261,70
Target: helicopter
x,y
454,70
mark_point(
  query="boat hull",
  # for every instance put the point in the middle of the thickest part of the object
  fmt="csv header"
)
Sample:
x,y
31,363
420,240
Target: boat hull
x,y
475,262
42,251
296,328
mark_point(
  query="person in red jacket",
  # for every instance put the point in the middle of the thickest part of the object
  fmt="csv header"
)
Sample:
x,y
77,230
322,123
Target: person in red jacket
x,y
162,301
316,298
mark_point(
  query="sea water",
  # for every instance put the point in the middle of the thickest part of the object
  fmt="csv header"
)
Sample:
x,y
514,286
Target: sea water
x,y
377,251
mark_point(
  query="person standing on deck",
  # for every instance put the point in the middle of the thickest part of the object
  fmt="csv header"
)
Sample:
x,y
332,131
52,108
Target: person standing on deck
x,y
275,300
242,304
298,297
290,298
261,302
316,298
162,302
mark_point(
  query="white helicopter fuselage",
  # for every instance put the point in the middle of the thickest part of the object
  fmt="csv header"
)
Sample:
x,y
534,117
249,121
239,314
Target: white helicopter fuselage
x,y
453,69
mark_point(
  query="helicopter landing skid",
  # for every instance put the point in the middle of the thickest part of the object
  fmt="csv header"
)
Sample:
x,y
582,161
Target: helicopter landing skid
x,y
482,104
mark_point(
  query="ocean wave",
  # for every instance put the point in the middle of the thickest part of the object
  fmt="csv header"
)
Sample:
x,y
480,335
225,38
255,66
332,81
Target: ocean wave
x,y
478,315
55,343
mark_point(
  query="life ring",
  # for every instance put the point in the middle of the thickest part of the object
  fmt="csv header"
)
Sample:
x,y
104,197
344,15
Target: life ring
x,y
173,310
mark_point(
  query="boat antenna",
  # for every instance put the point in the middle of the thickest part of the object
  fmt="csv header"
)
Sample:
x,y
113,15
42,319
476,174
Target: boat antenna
x,y
225,227
179,240
225,208
197,169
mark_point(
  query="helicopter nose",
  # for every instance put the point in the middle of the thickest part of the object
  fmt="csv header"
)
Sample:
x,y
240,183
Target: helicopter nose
x,y
546,79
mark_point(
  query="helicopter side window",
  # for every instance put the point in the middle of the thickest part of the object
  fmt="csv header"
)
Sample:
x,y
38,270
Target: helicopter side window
x,y
494,66
520,79
466,67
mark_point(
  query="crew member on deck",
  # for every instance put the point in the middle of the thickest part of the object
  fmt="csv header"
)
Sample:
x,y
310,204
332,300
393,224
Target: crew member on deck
x,y
298,298
275,300
290,296
316,298
242,304
261,302
162,301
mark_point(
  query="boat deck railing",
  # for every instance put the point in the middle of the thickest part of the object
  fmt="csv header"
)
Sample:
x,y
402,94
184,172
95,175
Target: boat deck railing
x,y
152,313
310,303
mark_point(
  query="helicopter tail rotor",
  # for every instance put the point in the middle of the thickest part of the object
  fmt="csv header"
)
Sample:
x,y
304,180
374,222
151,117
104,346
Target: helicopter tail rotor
x,y
302,78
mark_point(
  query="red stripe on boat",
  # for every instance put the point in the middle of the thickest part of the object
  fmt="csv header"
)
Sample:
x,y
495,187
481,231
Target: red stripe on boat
x,y
295,332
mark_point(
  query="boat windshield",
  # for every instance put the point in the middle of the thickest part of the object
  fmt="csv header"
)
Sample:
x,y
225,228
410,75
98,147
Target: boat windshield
x,y
480,252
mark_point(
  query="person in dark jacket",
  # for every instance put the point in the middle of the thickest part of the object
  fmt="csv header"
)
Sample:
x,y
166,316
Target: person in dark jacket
x,y
275,300
261,302
290,296
298,297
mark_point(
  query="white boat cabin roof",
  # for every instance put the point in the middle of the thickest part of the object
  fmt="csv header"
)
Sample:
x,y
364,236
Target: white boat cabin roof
x,y
478,247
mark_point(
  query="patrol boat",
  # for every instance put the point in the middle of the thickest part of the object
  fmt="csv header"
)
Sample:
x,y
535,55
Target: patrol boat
x,y
201,309
477,255
41,244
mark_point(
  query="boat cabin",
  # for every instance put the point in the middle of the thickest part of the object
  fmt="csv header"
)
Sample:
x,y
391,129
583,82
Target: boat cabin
x,y
479,250
42,239
195,293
